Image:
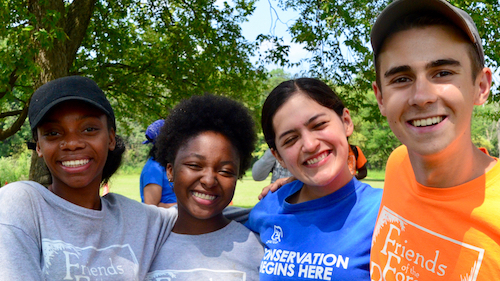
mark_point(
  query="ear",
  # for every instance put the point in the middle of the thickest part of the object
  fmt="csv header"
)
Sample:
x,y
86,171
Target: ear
x,y
346,119
276,155
39,150
483,81
170,172
112,139
378,94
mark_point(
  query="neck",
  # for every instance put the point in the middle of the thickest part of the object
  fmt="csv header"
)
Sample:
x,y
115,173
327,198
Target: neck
x,y
187,224
311,192
87,197
450,167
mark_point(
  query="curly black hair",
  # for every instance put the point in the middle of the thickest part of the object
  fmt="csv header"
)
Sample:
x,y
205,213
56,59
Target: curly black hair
x,y
200,114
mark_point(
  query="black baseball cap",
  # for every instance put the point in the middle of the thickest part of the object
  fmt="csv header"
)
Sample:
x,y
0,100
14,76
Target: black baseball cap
x,y
400,8
65,89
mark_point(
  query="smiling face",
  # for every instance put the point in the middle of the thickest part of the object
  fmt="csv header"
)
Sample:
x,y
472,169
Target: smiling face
x,y
74,141
426,91
311,142
204,175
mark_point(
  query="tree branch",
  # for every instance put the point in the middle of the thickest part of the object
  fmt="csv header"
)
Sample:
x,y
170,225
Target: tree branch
x,y
10,113
12,82
16,125
77,21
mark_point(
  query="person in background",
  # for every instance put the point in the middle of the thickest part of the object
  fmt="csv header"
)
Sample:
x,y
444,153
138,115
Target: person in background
x,y
440,211
268,164
357,162
154,185
67,231
319,226
206,145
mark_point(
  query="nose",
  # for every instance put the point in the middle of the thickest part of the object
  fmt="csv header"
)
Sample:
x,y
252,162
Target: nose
x,y
424,92
309,142
209,178
72,141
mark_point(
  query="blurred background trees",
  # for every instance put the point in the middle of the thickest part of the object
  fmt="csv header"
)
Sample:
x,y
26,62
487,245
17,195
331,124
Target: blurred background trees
x,y
149,54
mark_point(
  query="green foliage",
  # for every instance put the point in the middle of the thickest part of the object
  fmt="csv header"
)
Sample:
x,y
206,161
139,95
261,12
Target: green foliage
x,y
146,55
484,131
16,144
149,55
336,35
136,153
15,168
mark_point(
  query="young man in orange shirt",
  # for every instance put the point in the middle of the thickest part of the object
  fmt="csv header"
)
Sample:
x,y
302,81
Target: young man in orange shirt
x,y
440,212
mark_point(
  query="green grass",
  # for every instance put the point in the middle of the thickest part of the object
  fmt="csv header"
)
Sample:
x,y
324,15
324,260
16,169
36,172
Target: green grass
x,y
246,193
126,185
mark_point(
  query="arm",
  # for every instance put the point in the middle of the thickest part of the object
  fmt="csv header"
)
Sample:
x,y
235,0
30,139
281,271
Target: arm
x,y
20,256
166,205
20,245
275,186
263,166
152,196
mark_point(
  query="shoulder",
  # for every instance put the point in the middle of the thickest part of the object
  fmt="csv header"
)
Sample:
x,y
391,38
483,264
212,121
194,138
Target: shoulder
x,y
271,204
152,165
21,193
277,198
367,191
241,234
117,202
21,204
398,155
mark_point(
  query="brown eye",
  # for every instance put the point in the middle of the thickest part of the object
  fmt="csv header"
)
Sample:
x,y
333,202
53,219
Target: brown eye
x,y
443,73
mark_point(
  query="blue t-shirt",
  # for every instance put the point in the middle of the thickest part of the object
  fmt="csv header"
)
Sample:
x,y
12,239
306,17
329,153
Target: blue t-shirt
x,y
153,172
323,239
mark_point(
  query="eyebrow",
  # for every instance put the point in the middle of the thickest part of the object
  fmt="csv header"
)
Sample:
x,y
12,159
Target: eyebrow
x,y
432,64
201,157
442,62
397,69
305,124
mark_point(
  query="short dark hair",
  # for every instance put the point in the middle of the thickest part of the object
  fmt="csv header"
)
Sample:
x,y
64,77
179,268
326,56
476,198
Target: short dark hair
x,y
422,20
313,88
200,114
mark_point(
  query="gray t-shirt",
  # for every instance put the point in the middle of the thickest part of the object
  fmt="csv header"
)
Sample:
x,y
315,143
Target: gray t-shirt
x,y
232,253
44,237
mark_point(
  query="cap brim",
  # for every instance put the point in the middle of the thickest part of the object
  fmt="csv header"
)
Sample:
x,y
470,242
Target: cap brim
x,y
398,9
46,109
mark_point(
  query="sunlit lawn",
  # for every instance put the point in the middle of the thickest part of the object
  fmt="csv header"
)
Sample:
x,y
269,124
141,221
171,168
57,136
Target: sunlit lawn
x,y
246,193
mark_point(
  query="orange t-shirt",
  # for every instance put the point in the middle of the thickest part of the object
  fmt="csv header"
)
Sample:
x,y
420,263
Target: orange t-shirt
x,y
424,233
354,164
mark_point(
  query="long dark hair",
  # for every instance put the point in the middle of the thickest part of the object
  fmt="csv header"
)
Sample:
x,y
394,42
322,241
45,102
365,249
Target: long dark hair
x,y
314,88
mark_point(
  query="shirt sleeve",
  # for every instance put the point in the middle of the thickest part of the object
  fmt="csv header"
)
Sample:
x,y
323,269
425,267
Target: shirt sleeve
x,y
20,256
263,166
152,172
20,249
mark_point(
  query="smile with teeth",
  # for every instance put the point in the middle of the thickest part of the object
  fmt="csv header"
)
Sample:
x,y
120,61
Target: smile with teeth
x,y
427,121
204,196
317,159
75,163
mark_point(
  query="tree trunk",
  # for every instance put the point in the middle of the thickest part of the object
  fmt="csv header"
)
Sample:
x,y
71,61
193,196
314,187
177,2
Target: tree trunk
x,y
54,61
